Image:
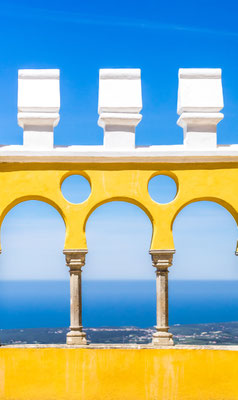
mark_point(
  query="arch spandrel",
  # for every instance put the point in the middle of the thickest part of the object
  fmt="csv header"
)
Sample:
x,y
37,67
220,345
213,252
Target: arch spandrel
x,y
127,182
119,170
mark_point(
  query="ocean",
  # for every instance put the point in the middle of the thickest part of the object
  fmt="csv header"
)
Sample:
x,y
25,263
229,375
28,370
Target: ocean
x,y
37,304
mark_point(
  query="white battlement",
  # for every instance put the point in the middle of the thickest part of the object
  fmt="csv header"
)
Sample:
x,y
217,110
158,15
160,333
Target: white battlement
x,y
38,106
119,104
200,100
200,90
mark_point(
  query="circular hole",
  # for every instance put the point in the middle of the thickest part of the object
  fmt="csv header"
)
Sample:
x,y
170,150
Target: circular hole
x,y
162,189
75,189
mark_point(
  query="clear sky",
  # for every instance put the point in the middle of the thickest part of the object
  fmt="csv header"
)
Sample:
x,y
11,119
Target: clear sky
x,y
79,38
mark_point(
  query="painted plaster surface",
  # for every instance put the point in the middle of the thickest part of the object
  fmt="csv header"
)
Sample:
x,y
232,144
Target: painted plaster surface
x,y
119,171
116,374
127,182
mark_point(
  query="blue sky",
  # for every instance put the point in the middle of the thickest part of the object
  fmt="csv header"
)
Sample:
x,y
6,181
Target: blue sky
x,y
79,38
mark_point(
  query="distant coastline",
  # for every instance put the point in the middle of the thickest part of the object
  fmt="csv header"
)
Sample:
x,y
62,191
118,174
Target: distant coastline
x,y
225,333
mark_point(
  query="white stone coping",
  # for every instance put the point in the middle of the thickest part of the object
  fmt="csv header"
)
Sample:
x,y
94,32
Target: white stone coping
x,y
118,119
211,118
200,73
129,346
39,73
120,73
99,154
38,120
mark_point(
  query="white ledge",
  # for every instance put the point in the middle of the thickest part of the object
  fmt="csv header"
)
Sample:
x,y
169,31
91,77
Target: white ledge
x,y
200,73
39,73
128,119
202,118
120,73
100,154
38,119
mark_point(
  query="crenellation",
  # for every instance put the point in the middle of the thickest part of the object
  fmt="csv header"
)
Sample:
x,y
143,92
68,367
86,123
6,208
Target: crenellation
x,y
38,106
200,100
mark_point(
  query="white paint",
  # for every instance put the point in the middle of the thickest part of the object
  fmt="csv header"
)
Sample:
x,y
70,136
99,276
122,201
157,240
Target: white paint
x,y
119,90
115,136
200,129
200,99
44,138
100,154
38,106
200,90
119,104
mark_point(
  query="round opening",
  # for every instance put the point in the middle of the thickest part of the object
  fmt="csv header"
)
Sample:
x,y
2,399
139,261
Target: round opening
x,y
162,189
75,189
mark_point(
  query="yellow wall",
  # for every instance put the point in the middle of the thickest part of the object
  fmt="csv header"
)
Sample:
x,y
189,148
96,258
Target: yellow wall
x,y
91,374
118,374
126,182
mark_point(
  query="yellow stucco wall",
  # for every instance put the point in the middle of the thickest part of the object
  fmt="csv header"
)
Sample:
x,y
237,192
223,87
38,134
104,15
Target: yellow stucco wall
x,y
118,374
64,373
125,182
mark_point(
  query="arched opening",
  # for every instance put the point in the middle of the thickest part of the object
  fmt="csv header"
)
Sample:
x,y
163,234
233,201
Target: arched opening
x,y
204,275
34,284
118,278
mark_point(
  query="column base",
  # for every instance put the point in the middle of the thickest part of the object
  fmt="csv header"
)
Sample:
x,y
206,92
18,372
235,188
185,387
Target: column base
x,y
76,338
162,339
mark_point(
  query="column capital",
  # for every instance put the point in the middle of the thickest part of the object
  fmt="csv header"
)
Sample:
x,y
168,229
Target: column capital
x,y
75,258
162,259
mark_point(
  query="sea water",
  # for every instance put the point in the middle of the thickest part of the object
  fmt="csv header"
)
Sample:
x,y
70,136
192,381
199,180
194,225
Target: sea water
x,y
35,304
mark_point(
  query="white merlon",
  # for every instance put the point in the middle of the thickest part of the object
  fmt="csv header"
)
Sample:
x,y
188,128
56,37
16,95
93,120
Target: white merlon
x,y
38,106
119,104
200,100
200,90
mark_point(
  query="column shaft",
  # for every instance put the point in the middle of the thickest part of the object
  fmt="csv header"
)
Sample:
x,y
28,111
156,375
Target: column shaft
x,y
75,299
162,298
161,260
75,260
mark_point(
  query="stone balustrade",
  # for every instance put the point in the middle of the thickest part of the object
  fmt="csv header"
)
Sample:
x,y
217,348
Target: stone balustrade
x,y
36,169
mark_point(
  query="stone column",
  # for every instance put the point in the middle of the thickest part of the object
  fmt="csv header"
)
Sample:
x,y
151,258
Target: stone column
x,y
161,260
75,260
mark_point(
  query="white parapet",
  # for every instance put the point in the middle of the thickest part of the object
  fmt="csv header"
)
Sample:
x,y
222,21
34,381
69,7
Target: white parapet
x,y
200,100
119,104
38,106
